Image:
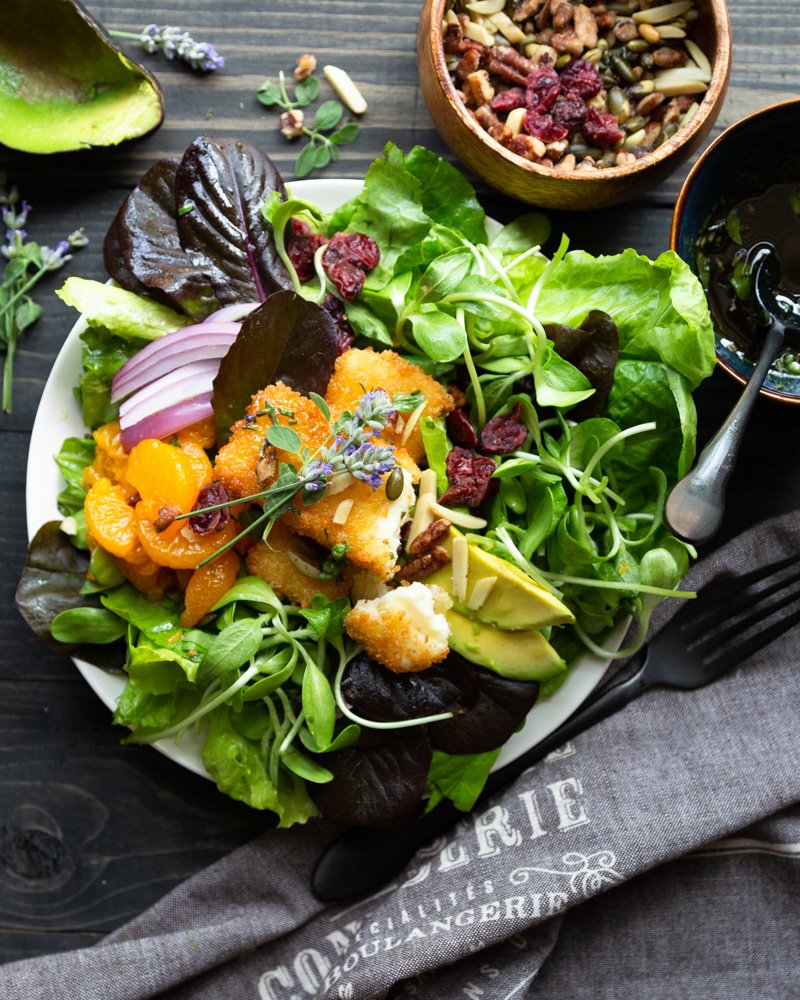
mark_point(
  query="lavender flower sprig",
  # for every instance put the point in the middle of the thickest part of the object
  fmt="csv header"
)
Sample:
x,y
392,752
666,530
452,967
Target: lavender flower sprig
x,y
178,44
349,449
27,262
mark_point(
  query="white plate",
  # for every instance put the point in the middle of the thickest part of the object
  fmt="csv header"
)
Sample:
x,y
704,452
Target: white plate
x,y
59,417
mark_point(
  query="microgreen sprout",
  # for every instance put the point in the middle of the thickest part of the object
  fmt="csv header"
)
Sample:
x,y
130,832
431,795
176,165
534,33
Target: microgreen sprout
x,y
321,149
176,43
27,263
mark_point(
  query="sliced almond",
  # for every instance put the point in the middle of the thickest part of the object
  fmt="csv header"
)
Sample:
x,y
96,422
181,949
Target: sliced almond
x,y
510,31
660,15
457,517
347,91
342,512
477,33
480,592
669,31
305,567
486,6
460,568
680,73
699,57
412,421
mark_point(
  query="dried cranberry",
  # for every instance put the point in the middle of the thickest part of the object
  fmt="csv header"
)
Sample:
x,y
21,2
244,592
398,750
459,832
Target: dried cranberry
x,y
345,335
581,78
212,520
460,429
354,248
543,127
569,111
601,129
542,88
469,476
503,433
508,100
348,278
300,227
301,250
363,250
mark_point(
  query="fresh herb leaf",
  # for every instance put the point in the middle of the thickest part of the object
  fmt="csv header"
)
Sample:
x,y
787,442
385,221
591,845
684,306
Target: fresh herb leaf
x,y
328,116
280,436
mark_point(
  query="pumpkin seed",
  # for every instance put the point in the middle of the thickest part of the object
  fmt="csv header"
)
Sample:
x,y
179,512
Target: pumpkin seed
x,y
642,88
637,45
620,68
635,139
619,105
394,484
634,124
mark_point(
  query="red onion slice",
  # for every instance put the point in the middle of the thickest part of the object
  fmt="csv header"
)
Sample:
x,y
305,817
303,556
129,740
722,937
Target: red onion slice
x,y
168,421
170,351
233,313
184,383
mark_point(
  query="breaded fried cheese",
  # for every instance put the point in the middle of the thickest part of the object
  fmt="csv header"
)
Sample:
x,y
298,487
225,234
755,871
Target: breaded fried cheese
x,y
271,560
236,462
360,370
405,629
371,529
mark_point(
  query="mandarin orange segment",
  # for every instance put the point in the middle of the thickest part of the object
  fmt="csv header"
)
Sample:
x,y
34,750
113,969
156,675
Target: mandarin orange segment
x,y
110,519
163,474
201,433
200,462
207,586
149,578
177,547
109,440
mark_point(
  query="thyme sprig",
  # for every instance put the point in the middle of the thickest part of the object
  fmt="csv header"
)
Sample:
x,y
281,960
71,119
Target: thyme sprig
x,y
27,262
321,149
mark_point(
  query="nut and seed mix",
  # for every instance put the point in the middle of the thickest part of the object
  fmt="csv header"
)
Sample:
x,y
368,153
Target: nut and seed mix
x,y
576,86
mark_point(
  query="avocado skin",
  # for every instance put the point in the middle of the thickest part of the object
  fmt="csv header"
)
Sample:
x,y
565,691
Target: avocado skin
x,y
520,655
69,87
515,602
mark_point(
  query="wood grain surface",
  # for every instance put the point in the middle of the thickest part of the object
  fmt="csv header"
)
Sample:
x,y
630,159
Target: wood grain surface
x,y
91,833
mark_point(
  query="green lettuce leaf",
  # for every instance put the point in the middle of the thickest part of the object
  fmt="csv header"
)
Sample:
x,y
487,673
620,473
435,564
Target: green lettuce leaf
x,y
458,777
239,767
75,454
123,313
659,306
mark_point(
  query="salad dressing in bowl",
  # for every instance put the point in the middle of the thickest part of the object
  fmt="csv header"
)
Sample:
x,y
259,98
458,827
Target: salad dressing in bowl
x,y
773,215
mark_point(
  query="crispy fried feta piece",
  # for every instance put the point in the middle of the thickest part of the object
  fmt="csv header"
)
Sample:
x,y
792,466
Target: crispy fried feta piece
x,y
406,629
372,529
360,370
282,564
237,461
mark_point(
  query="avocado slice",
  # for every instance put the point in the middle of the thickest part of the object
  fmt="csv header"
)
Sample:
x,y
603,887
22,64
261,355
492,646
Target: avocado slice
x,y
64,85
521,656
515,602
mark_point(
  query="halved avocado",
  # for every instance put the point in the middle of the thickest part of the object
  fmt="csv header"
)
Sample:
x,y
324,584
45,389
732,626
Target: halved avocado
x,y
521,656
63,83
515,602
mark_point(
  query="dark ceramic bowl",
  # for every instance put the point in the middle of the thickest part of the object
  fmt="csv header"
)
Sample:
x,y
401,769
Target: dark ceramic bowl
x,y
759,150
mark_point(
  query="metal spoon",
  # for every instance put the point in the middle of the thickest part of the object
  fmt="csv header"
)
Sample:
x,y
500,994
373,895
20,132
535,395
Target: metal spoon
x,y
696,504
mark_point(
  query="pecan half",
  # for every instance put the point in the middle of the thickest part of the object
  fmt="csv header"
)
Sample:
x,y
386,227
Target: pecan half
x,y
430,537
166,516
422,566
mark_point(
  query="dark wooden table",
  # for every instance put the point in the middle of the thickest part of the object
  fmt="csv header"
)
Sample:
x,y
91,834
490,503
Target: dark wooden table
x,y
92,833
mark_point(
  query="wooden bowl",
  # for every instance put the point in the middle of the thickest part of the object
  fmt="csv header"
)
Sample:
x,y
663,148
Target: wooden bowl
x,y
550,187
731,168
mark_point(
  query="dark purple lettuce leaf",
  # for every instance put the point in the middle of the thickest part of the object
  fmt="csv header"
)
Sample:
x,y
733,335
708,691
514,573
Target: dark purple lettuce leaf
x,y
227,181
376,693
377,782
593,348
50,583
142,250
502,704
285,339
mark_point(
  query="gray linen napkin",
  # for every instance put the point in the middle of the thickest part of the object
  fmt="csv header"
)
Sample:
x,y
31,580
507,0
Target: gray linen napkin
x,y
548,891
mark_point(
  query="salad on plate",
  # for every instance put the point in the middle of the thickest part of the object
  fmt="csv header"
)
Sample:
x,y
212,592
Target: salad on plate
x,y
359,486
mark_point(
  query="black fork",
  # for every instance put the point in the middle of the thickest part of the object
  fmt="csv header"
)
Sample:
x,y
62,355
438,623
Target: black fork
x,y
726,624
